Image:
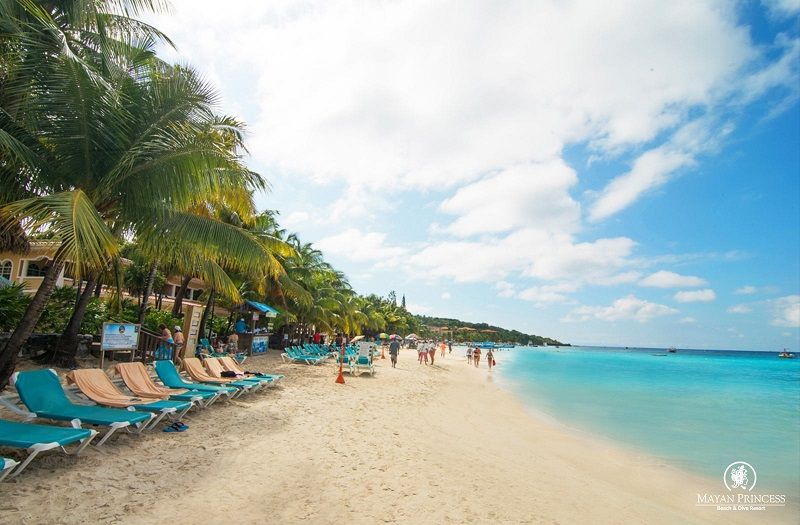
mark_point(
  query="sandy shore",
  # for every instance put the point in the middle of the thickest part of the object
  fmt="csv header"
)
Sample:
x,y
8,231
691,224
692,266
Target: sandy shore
x,y
416,444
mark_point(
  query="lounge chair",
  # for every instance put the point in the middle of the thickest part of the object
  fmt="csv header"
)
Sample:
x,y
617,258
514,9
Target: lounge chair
x,y
232,366
169,375
363,361
42,394
193,367
215,368
37,439
294,354
138,381
6,466
97,386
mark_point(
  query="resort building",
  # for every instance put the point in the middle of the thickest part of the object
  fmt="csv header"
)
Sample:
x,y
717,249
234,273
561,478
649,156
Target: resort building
x,y
29,269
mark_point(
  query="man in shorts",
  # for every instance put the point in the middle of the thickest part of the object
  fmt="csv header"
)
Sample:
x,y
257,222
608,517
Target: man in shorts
x,y
394,349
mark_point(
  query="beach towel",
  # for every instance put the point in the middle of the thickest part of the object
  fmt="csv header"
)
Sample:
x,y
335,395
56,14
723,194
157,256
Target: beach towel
x,y
215,368
139,382
195,370
96,385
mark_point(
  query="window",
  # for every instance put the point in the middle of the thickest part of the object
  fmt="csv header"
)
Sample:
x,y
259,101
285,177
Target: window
x,y
36,269
5,269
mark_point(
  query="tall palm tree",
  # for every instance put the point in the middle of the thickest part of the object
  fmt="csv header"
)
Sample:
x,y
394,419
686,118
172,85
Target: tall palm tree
x,y
130,147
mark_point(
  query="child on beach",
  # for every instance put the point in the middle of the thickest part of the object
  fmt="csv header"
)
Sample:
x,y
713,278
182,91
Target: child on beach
x,y
432,351
442,347
476,356
469,355
490,358
423,353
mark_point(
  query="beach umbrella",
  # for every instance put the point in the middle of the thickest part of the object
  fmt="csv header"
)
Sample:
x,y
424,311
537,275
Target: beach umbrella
x,y
412,336
383,335
357,338
394,336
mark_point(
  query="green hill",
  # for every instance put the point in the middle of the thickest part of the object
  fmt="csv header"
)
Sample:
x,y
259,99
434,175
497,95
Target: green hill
x,y
463,331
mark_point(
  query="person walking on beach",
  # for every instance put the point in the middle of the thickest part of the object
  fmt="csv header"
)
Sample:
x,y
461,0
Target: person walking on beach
x,y
432,351
442,348
490,358
476,356
394,349
422,352
469,355
450,346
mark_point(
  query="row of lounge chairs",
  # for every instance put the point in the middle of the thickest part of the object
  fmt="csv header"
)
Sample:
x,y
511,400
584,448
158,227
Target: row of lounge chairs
x,y
355,359
39,394
310,354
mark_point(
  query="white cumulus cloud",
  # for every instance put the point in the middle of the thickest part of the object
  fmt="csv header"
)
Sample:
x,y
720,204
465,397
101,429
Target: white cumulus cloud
x,y
359,246
740,309
746,290
786,311
665,279
625,308
695,296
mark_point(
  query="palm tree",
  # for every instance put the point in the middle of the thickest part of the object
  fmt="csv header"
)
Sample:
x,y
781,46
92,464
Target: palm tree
x,y
129,147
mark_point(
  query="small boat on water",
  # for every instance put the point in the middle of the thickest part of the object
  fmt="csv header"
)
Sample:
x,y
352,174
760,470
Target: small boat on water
x,y
786,355
672,349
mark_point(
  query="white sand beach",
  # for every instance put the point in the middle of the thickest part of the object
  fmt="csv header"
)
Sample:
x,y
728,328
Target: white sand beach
x,y
415,444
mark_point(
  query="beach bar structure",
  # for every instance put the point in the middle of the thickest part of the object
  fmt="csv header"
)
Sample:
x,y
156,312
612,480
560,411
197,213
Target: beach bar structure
x,y
253,343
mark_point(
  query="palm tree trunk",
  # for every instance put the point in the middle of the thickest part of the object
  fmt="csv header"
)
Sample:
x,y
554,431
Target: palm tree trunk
x,y
8,355
98,289
148,289
206,312
64,352
177,306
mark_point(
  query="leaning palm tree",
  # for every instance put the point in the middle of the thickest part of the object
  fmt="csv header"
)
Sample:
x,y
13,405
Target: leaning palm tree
x,y
143,152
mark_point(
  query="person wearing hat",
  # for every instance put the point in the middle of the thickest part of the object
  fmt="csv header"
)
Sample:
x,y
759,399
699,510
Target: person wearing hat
x,y
394,349
179,339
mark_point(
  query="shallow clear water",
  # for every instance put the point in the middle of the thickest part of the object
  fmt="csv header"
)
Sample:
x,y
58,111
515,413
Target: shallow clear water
x,y
699,410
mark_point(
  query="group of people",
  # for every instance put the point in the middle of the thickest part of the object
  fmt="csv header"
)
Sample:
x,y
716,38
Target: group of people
x,y
426,350
474,356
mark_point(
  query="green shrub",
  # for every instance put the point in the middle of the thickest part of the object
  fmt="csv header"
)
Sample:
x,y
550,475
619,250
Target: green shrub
x,y
96,314
57,311
155,317
13,302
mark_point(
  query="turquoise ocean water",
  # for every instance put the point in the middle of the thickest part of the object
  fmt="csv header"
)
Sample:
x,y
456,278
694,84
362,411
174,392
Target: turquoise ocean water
x,y
699,410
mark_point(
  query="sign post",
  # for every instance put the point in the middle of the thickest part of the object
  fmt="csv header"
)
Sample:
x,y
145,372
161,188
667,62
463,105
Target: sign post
x,y
118,337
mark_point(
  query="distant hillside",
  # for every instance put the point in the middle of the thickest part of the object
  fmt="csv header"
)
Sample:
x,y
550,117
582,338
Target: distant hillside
x,y
464,331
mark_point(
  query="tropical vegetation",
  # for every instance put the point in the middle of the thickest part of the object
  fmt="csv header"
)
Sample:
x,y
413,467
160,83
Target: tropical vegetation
x,y
125,163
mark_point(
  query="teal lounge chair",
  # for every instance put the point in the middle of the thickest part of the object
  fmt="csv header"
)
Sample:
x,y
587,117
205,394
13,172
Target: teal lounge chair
x,y
37,439
6,466
96,386
169,375
41,392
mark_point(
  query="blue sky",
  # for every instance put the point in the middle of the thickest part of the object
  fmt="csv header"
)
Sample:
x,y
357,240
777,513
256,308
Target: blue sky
x,y
623,174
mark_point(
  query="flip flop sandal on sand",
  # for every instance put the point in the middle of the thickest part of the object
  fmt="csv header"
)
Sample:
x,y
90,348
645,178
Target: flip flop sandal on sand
x,y
175,427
